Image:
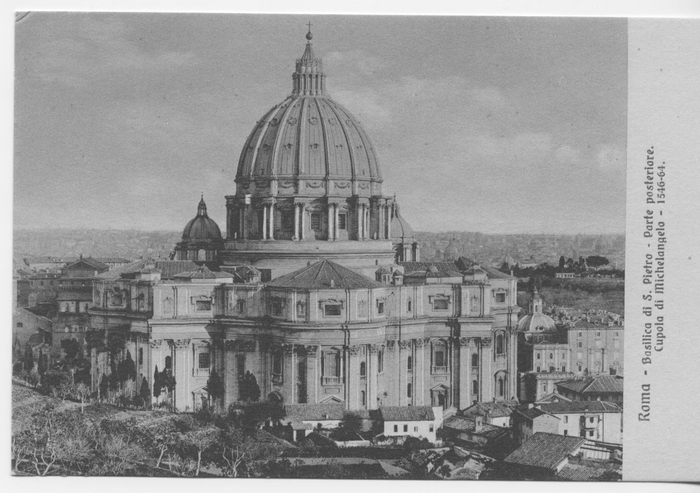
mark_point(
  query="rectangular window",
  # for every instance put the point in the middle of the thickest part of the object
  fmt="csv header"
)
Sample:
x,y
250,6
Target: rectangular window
x,y
396,428
203,305
415,429
316,221
380,307
439,358
563,368
204,360
277,307
566,419
440,304
342,221
580,344
538,369
405,428
331,310
432,428
500,297
590,433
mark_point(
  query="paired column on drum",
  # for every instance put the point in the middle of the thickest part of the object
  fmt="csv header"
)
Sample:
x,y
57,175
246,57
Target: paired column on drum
x,y
268,226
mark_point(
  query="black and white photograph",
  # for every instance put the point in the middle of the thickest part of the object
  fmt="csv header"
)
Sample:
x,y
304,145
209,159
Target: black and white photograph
x,y
324,246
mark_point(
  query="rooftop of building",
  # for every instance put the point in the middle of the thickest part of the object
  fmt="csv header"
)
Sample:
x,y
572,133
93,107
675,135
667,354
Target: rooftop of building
x,y
594,385
168,268
463,423
545,450
498,409
573,407
324,275
407,413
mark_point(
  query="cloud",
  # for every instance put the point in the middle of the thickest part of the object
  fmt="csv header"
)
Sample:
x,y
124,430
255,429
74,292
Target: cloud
x,y
101,49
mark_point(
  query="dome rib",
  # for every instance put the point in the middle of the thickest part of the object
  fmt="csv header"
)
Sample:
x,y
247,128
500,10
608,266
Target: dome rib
x,y
353,161
283,123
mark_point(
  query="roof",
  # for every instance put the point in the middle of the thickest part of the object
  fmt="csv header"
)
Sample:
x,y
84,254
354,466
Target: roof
x,y
324,275
498,409
607,384
545,450
530,413
203,273
90,262
168,268
113,260
442,267
407,413
580,407
583,472
461,423
314,412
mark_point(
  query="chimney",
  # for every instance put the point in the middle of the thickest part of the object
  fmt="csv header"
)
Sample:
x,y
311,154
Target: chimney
x,y
332,283
478,423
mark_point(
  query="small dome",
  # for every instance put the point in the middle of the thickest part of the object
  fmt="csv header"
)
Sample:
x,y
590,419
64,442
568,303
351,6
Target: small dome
x,y
451,250
401,231
202,227
537,322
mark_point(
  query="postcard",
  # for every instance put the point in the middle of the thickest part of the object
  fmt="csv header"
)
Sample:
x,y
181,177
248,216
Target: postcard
x,y
445,247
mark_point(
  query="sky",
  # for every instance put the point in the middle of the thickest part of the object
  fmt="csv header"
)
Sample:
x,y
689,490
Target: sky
x,y
498,125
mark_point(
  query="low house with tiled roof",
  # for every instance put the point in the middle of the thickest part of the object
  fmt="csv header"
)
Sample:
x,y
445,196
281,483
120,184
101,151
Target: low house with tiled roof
x,y
476,434
496,413
414,421
528,420
601,388
547,456
596,420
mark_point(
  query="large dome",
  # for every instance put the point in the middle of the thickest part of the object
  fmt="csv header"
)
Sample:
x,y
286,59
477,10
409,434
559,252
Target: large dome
x,y
202,227
308,145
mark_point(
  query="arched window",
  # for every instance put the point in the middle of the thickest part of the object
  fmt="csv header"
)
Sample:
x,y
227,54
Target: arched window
x,y
499,344
363,369
201,254
380,361
409,305
140,356
168,363
475,360
475,387
409,390
409,363
241,305
501,387
363,397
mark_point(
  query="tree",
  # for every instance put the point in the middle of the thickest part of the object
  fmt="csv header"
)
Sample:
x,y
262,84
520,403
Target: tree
x,y
126,369
157,383
28,358
82,392
71,349
215,386
597,261
349,428
562,263
250,391
144,391
41,366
